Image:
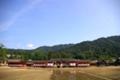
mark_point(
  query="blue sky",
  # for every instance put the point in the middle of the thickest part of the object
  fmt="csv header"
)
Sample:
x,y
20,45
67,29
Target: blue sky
x,y
32,23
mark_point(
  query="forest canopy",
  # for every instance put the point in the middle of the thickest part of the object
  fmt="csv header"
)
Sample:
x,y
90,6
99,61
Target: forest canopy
x,y
100,49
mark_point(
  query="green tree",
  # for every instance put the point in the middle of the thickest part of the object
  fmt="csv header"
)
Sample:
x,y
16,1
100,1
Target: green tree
x,y
39,55
3,53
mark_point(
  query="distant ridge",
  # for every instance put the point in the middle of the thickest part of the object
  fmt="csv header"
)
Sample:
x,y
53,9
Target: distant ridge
x,y
101,48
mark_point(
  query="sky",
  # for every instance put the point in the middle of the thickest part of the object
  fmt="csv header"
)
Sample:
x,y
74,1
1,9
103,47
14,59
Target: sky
x,y
28,24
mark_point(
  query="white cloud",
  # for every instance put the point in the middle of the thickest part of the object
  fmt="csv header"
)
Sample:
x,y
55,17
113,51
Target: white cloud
x,y
30,46
4,26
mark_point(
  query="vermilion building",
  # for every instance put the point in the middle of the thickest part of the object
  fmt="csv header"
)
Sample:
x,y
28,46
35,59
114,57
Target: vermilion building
x,y
16,63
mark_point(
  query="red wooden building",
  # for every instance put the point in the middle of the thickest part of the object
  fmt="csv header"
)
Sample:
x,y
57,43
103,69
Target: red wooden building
x,y
71,63
49,63
83,63
76,63
42,63
16,63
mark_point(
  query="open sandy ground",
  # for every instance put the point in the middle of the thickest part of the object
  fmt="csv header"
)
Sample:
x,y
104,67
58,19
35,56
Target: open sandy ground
x,y
88,73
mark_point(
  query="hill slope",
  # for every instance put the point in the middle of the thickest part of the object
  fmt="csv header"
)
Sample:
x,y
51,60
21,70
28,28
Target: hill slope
x,y
102,48
54,48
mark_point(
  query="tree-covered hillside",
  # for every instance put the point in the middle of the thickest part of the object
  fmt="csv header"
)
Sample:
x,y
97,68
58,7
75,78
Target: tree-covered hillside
x,y
102,48
54,48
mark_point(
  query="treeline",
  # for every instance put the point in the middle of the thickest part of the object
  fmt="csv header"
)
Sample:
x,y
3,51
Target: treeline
x,y
37,54
100,49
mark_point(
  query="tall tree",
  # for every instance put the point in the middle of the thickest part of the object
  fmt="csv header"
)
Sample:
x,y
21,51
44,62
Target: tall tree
x,y
3,53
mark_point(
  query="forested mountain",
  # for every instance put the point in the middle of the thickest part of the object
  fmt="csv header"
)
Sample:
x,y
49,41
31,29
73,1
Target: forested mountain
x,y
54,48
102,48
38,53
